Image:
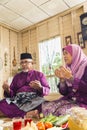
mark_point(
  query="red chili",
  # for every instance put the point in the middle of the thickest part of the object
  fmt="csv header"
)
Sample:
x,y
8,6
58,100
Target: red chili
x,y
65,125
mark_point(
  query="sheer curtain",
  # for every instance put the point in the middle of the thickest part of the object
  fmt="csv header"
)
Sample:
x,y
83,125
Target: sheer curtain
x,y
50,58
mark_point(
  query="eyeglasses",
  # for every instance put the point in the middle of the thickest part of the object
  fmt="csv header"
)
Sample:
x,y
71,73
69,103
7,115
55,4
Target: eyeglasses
x,y
25,62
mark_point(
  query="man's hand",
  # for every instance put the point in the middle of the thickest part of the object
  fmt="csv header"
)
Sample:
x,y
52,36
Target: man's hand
x,y
6,87
35,84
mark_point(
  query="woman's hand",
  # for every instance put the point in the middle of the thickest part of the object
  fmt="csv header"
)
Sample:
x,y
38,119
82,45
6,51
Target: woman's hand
x,y
35,84
59,73
66,72
6,86
63,73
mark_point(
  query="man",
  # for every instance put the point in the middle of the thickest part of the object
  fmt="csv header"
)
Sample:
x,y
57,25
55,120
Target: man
x,y
25,94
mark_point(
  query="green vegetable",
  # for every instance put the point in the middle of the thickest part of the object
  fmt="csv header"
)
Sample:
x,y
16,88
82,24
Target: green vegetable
x,y
62,120
57,121
48,118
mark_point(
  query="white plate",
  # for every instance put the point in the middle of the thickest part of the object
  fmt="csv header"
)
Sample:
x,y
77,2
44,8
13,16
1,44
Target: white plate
x,y
7,124
1,122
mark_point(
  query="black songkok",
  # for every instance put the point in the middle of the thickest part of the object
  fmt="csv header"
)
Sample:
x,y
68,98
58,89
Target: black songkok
x,y
25,56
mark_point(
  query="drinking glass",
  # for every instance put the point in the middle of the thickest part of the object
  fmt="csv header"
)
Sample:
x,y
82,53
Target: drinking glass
x,y
17,123
27,120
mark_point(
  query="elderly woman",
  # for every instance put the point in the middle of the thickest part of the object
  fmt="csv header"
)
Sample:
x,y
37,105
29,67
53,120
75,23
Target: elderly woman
x,y
73,82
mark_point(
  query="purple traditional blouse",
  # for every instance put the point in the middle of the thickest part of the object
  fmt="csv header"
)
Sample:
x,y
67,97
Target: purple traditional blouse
x,y
78,90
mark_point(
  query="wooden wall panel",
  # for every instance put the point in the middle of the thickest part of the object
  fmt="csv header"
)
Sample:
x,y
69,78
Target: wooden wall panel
x,y
43,31
13,41
34,46
25,41
8,42
53,27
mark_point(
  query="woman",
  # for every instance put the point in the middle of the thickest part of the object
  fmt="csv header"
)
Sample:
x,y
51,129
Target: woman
x,y
73,82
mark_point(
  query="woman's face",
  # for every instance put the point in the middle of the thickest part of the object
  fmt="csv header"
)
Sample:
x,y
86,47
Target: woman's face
x,y
67,57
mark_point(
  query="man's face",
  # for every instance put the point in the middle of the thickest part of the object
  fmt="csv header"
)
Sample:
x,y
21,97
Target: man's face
x,y
26,64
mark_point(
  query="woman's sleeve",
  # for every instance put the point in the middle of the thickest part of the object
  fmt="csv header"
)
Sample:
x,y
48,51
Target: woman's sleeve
x,y
63,88
81,84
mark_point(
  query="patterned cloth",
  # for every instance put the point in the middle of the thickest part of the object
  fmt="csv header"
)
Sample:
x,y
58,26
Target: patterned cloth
x,y
26,101
58,107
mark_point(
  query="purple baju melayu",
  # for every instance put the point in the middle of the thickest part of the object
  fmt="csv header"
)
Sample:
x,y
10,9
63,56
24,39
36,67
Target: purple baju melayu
x,y
74,92
19,84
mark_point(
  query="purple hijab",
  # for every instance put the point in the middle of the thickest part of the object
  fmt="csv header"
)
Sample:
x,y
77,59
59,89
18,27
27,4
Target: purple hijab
x,y
79,60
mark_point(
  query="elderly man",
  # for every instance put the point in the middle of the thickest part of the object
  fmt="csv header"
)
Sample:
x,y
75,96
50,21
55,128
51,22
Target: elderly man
x,y
25,94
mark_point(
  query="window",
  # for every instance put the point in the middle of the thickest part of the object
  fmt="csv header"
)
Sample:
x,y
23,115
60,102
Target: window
x,y
50,58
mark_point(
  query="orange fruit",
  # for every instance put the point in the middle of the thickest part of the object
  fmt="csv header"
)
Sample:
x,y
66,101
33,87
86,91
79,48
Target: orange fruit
x,y
40,126
48,125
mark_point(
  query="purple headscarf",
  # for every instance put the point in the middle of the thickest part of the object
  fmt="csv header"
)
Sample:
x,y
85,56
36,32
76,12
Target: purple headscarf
x,y
79,60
